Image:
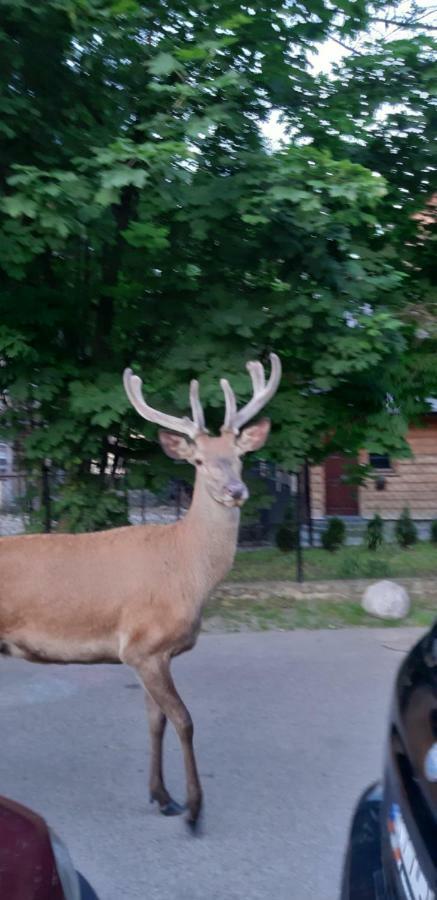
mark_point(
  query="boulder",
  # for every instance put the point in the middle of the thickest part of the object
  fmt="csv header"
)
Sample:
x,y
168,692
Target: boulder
x,y
386,600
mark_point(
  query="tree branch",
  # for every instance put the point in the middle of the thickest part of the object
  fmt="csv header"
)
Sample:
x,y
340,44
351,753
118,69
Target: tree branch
x,y
353,50
413,23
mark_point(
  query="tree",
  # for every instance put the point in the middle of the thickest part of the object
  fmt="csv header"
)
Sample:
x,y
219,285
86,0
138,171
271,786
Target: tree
x,y
377,108
145,222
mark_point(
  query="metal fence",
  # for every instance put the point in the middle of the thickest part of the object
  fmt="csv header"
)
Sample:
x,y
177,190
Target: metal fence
x,y
259,527
26,498
17,492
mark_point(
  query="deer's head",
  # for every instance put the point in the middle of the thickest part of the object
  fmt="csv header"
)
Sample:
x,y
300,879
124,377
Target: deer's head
x,y
218,460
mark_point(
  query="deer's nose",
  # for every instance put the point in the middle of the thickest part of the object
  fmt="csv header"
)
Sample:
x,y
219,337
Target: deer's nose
x,y
237,490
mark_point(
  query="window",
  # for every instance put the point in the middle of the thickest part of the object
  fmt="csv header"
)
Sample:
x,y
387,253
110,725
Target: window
x,y
380,460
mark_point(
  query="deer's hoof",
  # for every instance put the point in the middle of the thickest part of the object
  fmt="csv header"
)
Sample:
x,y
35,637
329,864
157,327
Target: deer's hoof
x,y
194,822
170,807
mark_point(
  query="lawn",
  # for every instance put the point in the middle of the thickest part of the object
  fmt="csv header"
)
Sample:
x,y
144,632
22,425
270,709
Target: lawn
x,y
231,614
349,562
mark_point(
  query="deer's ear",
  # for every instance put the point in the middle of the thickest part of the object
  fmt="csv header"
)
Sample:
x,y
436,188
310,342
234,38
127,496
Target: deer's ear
x,y
176,446
254,437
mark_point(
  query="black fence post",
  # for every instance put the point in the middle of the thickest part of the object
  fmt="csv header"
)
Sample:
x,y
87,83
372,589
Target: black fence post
x,y
308,509
46,499
299,554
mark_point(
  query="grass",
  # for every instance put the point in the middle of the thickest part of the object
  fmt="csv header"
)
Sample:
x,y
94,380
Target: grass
x,y
237,614
276,613
349,562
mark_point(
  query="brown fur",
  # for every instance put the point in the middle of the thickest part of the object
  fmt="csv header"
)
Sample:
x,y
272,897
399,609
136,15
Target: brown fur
x,y
132,594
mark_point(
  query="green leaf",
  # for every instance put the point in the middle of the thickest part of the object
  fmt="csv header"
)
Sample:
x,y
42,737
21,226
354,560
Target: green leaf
x,y
282,192
19,205
164,64
192,54
146,234
107,196
122,176
254,219
237,20
302,321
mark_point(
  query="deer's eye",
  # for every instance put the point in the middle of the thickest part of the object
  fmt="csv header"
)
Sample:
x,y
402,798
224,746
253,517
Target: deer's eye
x,y
198,462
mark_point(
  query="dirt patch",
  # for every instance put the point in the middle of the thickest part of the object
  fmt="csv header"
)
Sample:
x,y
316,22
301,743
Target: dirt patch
x,y
418,588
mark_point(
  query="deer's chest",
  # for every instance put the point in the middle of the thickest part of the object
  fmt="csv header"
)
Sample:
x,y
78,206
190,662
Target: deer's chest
x,y
186,639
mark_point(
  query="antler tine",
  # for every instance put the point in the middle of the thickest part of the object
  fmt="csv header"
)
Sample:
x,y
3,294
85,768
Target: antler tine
x,y
256,372
196,406
231,404
133,387
262,392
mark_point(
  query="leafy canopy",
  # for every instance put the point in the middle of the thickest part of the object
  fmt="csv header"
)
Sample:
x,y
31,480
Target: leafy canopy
x,y
145,222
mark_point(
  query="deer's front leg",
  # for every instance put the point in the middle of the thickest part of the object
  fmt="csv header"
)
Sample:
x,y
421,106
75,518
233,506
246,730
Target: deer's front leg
x,y
158,790
154,672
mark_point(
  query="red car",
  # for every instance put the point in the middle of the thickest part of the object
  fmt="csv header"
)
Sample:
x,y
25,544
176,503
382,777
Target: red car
x,y
34,863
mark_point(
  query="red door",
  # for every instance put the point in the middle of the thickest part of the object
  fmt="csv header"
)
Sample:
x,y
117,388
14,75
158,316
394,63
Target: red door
x,y
341,499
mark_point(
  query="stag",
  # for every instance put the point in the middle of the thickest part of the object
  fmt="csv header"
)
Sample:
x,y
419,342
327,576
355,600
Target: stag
x,y
135,595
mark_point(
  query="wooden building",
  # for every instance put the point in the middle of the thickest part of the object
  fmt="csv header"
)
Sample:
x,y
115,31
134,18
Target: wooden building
x,y
397,483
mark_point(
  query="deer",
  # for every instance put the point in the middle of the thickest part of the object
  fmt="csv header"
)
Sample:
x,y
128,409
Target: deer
x,y
135,594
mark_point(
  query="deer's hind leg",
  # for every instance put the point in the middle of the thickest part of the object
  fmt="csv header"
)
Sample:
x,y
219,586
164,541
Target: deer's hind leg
x,y
158,790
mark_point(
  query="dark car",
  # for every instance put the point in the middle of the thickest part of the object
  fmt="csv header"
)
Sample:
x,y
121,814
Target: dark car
x,y
34,863
392,851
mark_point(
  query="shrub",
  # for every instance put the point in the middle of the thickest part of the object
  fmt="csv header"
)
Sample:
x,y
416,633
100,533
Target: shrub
x,y
333,536
89,505
351,567
357,566
434,531
287,534
405,529
375,532
377,568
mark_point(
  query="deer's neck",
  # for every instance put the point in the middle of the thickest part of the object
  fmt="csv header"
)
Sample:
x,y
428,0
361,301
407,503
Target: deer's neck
x,y
209,533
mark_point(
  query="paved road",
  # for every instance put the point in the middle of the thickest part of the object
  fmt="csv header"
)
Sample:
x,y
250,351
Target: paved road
x,y
290,728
